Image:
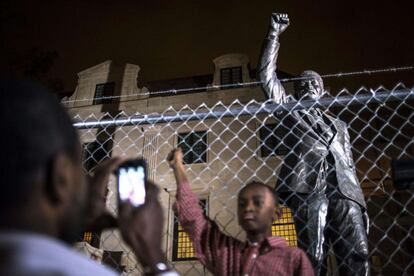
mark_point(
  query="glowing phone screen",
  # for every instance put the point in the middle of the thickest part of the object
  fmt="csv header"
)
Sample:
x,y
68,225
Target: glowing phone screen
x,y
132,185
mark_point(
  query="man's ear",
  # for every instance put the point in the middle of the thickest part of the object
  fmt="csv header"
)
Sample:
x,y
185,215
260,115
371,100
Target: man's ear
x,y
58,179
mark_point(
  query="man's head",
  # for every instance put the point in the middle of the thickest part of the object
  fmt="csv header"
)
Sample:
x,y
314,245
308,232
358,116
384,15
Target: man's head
x,y
257,208
310,87
43,188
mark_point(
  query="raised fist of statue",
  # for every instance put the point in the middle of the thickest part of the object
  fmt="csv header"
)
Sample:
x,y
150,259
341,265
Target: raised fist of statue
x,y
278,23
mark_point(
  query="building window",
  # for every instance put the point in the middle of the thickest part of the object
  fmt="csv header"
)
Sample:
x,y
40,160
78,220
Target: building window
x,y
271,140
231,75
94,153
92,238
194,146
104,92
285,227
87,237
183,249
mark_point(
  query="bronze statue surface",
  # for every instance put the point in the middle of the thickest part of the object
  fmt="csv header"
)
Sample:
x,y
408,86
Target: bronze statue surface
x,y
317,179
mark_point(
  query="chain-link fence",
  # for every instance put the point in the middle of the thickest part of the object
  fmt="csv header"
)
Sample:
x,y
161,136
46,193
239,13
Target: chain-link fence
x,y
227,145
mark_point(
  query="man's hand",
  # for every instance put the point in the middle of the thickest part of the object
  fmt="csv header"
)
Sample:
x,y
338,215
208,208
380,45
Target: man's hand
x,y
142,227
98,217
175,158
278,23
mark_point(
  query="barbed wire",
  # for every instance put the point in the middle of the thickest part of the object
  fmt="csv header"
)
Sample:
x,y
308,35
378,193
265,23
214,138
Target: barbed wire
x,y
356,73
238,108
244,84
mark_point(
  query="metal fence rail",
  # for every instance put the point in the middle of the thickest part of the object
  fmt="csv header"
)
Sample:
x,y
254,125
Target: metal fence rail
x,y
227,146
238,109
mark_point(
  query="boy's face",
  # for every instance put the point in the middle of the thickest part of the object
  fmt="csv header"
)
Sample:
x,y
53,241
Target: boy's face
x,y
256,209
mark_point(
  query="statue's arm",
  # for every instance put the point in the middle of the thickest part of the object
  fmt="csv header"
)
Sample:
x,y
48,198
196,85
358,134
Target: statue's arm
x,y
268,56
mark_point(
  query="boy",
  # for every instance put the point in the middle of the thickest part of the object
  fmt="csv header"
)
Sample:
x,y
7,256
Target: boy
x,y
261,254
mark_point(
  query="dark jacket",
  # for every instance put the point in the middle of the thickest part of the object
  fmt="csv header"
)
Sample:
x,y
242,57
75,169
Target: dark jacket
x,y
311,155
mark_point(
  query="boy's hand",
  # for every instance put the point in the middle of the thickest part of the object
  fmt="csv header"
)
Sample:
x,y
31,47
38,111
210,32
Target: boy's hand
x,y
175,158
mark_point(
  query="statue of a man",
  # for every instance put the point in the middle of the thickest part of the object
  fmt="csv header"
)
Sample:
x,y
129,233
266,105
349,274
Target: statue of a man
x,y
317,179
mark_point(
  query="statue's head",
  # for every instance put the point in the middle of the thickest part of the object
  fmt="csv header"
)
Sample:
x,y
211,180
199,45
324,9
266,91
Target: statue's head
x,y
310,87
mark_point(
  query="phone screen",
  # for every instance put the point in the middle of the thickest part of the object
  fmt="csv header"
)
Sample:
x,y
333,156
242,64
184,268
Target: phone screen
x,y
131,182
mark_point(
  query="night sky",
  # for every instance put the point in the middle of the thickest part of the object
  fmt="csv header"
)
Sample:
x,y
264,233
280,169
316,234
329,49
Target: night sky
x,y
171,39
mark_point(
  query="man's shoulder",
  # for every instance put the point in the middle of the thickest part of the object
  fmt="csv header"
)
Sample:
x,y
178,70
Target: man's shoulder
x,y
41,255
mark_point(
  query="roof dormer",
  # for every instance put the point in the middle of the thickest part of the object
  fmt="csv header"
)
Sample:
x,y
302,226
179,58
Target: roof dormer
x,y
231,69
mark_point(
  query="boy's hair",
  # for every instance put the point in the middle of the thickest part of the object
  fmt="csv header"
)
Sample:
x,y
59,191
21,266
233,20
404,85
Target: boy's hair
x,y
261,184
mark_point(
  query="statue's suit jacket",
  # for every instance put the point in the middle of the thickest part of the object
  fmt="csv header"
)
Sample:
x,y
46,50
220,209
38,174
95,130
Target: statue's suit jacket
x,y
306,164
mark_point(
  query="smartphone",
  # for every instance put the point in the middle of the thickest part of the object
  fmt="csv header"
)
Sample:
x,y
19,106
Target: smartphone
x,y
132,182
